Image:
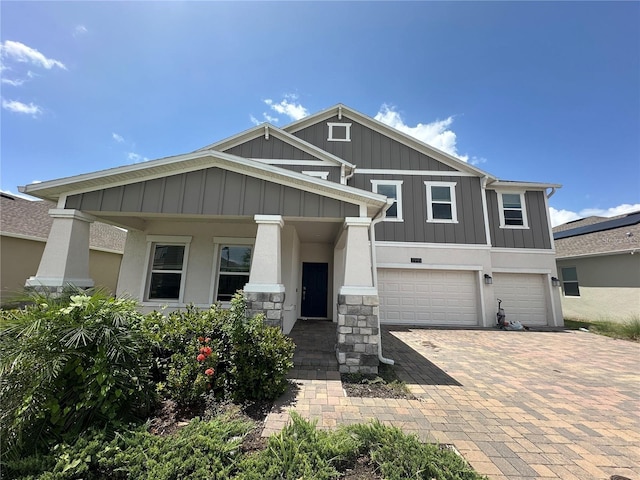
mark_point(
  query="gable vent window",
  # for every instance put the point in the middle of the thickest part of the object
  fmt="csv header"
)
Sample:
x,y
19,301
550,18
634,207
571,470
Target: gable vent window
x,y
512,210
441,202
570,282
390,189
339,132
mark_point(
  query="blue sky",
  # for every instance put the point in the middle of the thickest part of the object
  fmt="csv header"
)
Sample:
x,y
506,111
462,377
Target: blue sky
x,y
535,91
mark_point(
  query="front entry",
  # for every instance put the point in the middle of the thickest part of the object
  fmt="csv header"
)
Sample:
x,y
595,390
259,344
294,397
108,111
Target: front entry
x,y
315,277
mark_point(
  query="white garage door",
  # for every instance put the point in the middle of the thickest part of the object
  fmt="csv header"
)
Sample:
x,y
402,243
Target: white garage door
x,y
428,297
523,297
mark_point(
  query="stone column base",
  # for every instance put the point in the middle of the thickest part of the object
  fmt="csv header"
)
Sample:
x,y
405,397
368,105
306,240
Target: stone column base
x,y
268,303
358,334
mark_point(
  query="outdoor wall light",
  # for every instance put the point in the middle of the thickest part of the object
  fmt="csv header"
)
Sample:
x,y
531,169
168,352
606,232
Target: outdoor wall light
x,y
487,279
555,282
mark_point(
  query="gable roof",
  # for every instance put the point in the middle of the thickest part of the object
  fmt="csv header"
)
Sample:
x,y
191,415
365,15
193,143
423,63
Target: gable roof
x,y
387,131
199,160
598,235
266,130
30,220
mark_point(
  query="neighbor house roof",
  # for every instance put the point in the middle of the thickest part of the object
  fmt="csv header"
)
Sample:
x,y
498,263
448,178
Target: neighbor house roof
x,y
30,220
598,236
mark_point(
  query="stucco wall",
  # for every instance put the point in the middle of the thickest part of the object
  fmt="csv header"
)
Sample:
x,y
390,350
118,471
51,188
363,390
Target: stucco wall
x,y
290,276
21,257
609,287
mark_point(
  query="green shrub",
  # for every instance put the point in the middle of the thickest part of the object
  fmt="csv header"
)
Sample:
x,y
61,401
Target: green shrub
x,y
249,359
67,363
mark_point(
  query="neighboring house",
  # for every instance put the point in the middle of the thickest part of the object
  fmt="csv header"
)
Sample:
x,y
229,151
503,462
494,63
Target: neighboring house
x,y
290,216
598,263
24,229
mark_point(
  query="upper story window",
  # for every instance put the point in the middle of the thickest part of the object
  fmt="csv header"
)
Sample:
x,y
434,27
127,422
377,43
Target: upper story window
x,y
168,262
441,202
234,266
570,282
512,209
390,189
339,132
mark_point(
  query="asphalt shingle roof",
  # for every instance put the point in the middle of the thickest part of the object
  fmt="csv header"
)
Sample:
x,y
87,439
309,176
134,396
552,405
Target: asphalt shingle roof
x,y
31,218
607,240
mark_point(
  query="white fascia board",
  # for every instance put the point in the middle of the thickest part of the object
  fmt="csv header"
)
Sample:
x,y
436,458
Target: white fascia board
x,y
390,132
503,184
628,251
197,161
280,134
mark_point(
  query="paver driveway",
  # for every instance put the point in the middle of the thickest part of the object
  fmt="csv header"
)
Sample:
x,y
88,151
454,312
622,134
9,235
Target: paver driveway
x,y
517,405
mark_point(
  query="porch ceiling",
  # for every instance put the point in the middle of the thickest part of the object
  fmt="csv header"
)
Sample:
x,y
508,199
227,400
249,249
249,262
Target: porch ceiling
x,y
316,232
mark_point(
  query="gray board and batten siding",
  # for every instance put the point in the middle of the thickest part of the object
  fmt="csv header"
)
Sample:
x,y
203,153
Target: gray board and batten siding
x,y
536,236
414,227
368,148
214,192
276,149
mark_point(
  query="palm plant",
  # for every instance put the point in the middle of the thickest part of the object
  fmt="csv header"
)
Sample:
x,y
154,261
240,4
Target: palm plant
x,y
67,363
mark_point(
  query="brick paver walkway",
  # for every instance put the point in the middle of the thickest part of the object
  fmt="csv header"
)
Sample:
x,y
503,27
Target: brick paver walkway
x,y
517,405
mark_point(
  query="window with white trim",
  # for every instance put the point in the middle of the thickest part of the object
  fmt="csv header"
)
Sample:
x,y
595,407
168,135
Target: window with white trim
x,y
339,132
167,268
234,266
570,282
390,189
512,209
441,202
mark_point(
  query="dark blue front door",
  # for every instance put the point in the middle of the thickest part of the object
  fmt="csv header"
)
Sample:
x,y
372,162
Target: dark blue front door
x,y
315,278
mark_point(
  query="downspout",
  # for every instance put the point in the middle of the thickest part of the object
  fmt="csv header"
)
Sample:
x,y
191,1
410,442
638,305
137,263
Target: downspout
x,y
374,270
347,177
550,194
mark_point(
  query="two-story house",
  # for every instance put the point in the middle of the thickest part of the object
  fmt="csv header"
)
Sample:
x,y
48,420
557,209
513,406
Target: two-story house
x,y
334,216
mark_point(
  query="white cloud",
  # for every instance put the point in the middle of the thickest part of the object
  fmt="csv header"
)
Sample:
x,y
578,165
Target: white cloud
x,y
79,30
117,138
19,107
269,118
22,53
13,83
559,217
254,120
136,158
437,134
288,106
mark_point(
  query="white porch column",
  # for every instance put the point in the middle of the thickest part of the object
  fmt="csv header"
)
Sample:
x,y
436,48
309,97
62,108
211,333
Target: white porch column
x,y
358,276
65,259
358,332
265,292
266,265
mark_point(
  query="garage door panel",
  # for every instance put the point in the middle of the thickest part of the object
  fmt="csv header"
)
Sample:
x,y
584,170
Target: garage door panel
x,y
523,297
428,297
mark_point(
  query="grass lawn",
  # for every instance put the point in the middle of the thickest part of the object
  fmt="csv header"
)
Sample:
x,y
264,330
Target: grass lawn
x,y
628,330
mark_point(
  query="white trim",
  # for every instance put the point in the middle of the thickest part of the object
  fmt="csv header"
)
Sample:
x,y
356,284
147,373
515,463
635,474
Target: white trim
x,y
485,209
177,239
532,271
316,174
152,242
264,288
430,173
354,290
397,200
71,214
314,163
502,184
347,127
58,282
357,221
269,219
537,251
448,246
452,192
20,236
548,213
523,209
428,266
235,240
483,307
